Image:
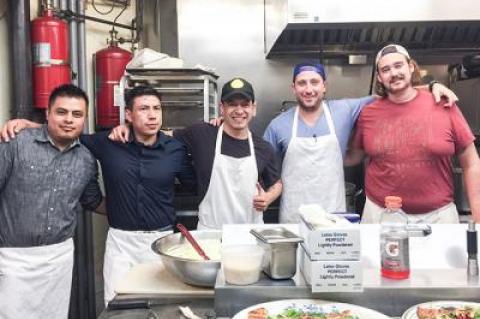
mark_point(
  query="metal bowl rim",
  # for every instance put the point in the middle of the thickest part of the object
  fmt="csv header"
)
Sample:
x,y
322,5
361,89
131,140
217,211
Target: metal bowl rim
x,y
173,258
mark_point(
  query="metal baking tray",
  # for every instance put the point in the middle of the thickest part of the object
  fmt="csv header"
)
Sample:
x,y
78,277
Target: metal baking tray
x,y
276,235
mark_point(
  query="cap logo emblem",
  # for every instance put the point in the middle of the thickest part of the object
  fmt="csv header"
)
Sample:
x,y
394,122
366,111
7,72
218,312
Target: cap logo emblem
x,y
237,84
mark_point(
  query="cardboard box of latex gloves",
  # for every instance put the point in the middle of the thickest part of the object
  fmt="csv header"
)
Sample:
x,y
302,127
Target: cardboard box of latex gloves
x,y
331,275
328,236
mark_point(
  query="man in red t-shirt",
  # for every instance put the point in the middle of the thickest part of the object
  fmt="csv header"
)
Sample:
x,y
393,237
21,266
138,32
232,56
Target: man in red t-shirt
x,y
410,142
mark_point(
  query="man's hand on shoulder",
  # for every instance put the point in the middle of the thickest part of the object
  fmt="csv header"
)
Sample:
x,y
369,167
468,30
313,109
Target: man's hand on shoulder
x,y
440,91
217,121
120,133
13,127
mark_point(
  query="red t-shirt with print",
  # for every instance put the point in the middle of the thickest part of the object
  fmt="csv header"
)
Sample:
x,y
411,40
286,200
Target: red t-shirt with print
x,y
410,148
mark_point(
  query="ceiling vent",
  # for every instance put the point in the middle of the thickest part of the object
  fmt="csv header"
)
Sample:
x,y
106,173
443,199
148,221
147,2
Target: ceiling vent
x,y
440,31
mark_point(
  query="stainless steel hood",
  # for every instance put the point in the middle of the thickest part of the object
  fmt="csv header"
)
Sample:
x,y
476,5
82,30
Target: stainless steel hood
x,y
441,30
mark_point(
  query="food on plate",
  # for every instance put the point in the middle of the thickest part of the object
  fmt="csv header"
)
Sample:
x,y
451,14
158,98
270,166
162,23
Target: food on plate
x,y
258,313
296,313
448,312
211,247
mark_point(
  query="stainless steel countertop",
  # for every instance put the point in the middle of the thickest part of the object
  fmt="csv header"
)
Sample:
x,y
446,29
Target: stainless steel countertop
x,y
390,297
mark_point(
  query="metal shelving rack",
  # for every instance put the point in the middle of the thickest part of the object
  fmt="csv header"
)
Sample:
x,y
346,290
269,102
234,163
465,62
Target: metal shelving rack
x,y
185,93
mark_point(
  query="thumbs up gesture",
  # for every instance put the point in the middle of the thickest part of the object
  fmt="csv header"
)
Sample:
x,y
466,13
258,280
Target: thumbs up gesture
x,y
261,200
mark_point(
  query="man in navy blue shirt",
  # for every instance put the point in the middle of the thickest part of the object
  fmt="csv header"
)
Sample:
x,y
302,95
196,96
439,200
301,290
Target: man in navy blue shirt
x,y
139,179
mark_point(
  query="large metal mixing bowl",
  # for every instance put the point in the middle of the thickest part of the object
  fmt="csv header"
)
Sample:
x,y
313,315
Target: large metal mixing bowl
x,y
198,273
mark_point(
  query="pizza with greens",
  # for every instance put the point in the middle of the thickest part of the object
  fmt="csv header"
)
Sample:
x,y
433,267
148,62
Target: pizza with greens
x,y
448,312
307,309
296,313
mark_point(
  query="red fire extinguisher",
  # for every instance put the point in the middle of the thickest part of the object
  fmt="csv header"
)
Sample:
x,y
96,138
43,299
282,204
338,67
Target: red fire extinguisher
x,y
110,65
51,66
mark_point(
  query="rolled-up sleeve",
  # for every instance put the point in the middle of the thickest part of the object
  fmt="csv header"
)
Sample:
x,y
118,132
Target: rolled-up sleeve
x,y
6,162
92,195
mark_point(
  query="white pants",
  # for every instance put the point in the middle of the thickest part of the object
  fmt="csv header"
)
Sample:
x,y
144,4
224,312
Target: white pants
x,y
123,250
36,282
444,215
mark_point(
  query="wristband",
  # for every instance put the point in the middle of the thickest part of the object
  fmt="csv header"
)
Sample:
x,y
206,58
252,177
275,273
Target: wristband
x,y
431,84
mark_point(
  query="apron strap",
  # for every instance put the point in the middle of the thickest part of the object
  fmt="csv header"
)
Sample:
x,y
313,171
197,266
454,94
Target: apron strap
x,y
295,124
328,117
250,144
218,143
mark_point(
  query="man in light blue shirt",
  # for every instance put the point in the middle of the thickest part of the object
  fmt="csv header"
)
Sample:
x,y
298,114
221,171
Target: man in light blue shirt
x,y
312,139
344,115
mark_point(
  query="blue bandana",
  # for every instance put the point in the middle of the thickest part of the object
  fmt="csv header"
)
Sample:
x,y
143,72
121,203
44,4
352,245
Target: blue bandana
x,y
308,66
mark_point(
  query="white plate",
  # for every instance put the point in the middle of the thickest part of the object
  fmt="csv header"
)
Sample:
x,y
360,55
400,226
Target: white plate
x,y
276,307
411,313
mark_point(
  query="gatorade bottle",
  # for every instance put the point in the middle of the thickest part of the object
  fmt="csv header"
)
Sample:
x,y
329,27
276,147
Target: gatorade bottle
x,y
394,249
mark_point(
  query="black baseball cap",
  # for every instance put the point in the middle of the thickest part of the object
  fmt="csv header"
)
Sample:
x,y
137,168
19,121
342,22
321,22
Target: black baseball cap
x,y
237,87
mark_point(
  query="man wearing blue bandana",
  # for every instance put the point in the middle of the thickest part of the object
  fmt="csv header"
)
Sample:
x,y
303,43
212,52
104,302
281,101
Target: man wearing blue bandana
x,y
312,139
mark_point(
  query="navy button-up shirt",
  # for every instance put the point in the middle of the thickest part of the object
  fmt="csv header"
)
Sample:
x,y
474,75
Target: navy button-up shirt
x,y
41,188
139,179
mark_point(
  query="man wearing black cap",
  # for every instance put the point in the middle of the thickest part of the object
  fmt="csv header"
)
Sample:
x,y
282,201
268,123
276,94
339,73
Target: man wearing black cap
x,y
237,172
230,161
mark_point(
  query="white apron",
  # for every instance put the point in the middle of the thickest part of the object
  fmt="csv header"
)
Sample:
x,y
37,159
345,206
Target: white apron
x,y
312,172
444,215
233,184
123,250
35,282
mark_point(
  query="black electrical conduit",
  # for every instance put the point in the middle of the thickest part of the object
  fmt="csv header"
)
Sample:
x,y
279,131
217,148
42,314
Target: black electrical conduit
x,y
69,14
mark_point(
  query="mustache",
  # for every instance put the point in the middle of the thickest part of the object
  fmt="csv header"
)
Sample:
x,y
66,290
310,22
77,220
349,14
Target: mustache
x,y
396,78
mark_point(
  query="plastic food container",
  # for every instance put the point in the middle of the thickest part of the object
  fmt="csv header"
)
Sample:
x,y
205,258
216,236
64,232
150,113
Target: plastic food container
x,y
280,244
242,263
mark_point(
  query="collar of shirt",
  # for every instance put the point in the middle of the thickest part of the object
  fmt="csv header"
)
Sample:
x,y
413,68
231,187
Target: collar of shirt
x,y
44,137
162,139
